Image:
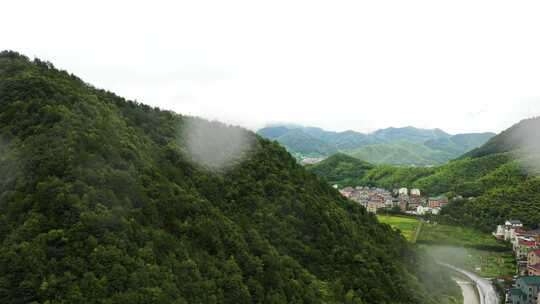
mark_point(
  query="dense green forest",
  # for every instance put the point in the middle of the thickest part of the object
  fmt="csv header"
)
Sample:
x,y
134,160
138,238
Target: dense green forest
x,y
105,200
341,169
499,180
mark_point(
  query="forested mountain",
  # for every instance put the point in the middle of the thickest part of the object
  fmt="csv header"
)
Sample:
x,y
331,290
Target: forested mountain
x,y
522,136
499,180
341,169
402,152
408,145
410,134
460,143
105,200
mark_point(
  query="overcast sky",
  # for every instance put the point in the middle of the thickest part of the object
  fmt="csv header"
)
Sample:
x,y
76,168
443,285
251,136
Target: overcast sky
x,y
462,66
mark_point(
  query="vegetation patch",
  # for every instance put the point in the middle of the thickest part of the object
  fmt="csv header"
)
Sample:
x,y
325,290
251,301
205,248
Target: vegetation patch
x,y
406,225
468,249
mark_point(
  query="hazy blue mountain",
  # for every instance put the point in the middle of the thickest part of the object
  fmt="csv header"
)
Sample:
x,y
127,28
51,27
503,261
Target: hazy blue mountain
x,y
408,145
460,143
410,134
300,143
273,132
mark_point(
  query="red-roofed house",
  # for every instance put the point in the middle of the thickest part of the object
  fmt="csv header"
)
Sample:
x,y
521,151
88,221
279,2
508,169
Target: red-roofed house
x,y
523,248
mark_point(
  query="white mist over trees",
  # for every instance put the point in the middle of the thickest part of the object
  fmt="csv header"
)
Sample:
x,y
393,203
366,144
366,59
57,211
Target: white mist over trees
x,y
214,145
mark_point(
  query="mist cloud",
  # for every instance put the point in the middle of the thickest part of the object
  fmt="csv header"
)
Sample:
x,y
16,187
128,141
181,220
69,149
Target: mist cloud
x,y
524,139
216,146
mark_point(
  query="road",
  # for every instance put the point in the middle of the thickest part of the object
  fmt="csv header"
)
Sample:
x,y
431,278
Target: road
x,y
486,292
470,296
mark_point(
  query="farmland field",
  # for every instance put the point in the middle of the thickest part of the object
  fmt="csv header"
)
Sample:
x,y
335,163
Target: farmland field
x,y
406,225
462,247
468,249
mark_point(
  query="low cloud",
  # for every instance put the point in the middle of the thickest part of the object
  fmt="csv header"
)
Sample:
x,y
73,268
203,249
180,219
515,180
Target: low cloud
x,y
216,146
524,138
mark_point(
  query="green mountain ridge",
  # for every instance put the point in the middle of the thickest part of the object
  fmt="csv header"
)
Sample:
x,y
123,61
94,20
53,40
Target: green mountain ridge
x,y
398,146
499,180
106,200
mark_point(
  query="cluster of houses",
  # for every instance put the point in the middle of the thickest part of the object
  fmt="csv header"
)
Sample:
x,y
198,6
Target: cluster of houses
x,y
411,202
526,247
372,199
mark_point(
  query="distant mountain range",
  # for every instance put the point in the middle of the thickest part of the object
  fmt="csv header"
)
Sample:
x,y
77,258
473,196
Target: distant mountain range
x,y
398,146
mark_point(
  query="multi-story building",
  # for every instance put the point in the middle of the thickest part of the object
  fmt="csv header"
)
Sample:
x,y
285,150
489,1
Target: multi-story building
x,y
438,201
523,247
525,291
513,223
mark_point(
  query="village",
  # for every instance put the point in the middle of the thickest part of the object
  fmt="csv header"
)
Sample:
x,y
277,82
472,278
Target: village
x,y
526,248
402,200
525,286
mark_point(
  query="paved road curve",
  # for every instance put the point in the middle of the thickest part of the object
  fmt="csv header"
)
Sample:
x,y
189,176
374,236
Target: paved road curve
x,y
487,293
470,296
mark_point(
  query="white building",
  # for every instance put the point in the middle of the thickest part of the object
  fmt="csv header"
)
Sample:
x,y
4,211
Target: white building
x,y
513,223
500,233
508,230
421,210
403,191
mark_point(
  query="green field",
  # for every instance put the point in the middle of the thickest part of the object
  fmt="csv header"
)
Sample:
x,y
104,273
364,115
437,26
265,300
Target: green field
x,y
406,225
468,249
459,236
462,247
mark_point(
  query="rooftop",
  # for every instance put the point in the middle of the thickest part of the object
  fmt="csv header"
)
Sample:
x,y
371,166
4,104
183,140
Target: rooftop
x,y
515,292
440,197
530,280
537,251
527,243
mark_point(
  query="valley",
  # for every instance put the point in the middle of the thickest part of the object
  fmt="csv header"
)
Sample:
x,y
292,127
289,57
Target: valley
x,y
136,201
270,152
484,189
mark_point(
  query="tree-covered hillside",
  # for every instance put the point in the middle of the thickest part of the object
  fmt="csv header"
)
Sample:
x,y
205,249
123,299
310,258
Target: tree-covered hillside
x,y
460,143
402,152
341,169
524,135
499,180
105,200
